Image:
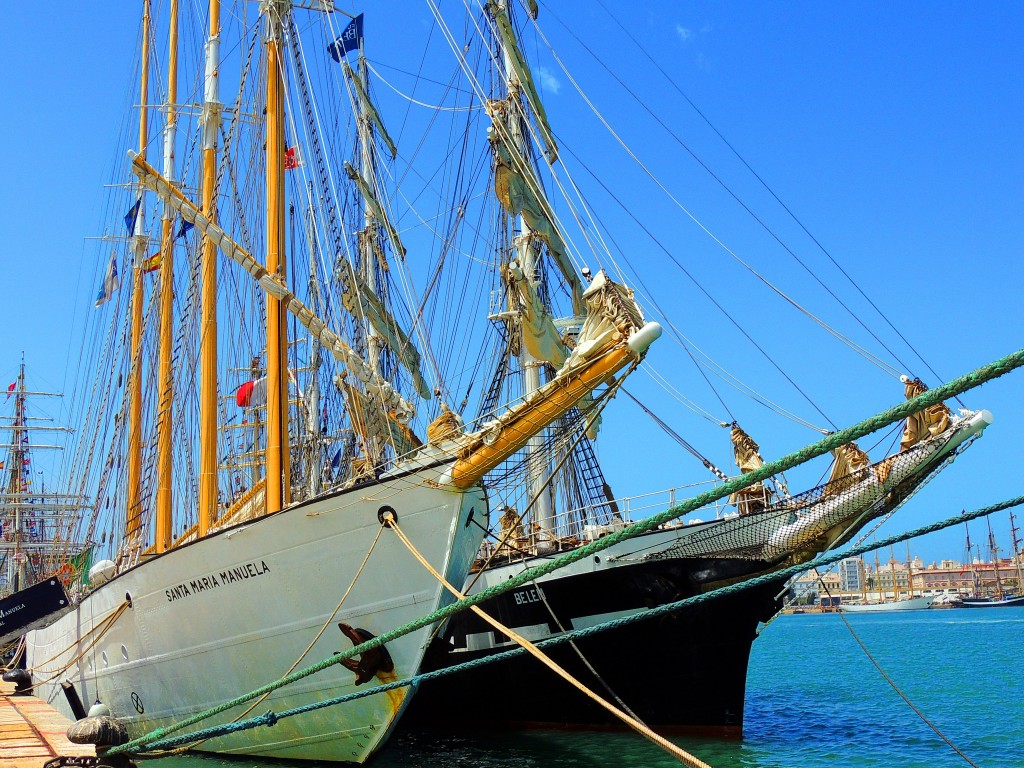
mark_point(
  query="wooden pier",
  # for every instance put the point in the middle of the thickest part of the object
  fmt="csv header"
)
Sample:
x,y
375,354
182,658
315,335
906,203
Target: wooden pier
x,y
32,732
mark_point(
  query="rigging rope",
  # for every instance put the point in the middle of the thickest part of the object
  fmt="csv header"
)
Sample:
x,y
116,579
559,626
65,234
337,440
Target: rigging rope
x,y
872,358
930,397
684,757
780,202
667,609
892,684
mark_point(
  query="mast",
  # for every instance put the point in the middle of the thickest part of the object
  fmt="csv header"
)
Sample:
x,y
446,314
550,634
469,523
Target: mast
x,y
165,412
367,242
892,572
133,511
1016,552
970,559
528,256
878,579
208,492
277,494
910,572
37,534
995,557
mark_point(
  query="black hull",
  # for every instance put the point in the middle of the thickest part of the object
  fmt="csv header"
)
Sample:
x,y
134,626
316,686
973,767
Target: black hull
x,y
685,672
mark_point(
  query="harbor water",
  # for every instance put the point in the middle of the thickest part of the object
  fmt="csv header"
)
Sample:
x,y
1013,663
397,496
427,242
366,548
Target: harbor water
x,y
814,698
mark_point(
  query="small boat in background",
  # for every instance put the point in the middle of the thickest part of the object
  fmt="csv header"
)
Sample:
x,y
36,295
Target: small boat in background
x,y
907,604
993,601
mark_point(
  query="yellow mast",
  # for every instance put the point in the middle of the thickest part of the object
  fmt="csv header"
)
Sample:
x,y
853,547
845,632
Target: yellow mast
x,y
277,358
133,515
165,413
208,339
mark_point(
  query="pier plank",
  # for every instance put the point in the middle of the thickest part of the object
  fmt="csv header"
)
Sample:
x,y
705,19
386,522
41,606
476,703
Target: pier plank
x,y
32,732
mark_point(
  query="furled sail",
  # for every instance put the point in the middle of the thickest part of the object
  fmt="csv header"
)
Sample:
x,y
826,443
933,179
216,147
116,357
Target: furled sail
x,y
748,458
382,393
540,336
849,460
613,335
517,190
522,70
923,424
360,301
378,210
369,109
373,422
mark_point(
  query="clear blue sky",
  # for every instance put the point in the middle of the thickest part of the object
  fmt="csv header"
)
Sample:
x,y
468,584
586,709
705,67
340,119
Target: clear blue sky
x,y
893,131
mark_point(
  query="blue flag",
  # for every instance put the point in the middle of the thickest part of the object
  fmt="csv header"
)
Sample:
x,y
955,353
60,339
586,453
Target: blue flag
x,y
132,216
184,229
111,282
349,40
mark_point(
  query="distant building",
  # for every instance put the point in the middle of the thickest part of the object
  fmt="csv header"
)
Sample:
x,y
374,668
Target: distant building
x,y
808,587
851,575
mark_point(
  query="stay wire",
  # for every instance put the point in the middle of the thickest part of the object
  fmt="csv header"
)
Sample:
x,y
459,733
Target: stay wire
x,y
785,207
736,197
703,290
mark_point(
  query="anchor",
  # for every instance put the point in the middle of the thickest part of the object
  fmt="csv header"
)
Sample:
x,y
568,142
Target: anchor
x,y
369,663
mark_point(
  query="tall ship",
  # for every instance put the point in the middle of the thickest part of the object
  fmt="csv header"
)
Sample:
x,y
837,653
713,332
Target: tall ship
x,y
41,559
330,328
997,593
248,425
564,501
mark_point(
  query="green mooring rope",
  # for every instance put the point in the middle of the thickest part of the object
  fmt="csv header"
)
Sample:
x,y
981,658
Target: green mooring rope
x,y
270,718
903,410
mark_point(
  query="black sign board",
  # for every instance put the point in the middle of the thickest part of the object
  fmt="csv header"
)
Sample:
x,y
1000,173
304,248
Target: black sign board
x,y
32,607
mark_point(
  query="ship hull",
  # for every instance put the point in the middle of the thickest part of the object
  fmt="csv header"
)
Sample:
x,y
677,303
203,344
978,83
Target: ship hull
x,y
685,672
682,672
910,604
209,621
993,602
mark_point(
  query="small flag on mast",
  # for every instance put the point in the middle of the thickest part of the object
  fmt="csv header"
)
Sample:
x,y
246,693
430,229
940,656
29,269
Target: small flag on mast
x,y
10,389
111,282
291,159
184,229
152,264
132,216
252,393
351,39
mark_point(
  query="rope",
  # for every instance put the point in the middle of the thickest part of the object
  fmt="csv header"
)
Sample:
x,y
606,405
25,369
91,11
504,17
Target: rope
x,y
684,757
902,695
582,658
330,620
930,397
103,627
668,608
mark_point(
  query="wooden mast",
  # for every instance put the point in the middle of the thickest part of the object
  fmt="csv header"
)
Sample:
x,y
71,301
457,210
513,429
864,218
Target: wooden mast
x,y
277,359
165,410
208,492
133,514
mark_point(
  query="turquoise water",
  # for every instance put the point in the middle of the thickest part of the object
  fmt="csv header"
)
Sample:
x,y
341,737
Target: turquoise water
x,y
813,699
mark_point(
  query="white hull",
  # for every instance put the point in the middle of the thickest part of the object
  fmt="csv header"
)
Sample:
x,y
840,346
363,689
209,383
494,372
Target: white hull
x,y
909,604
221,616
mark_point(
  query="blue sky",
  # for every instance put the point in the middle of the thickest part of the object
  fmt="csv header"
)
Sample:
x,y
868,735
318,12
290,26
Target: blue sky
x,y
893,131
